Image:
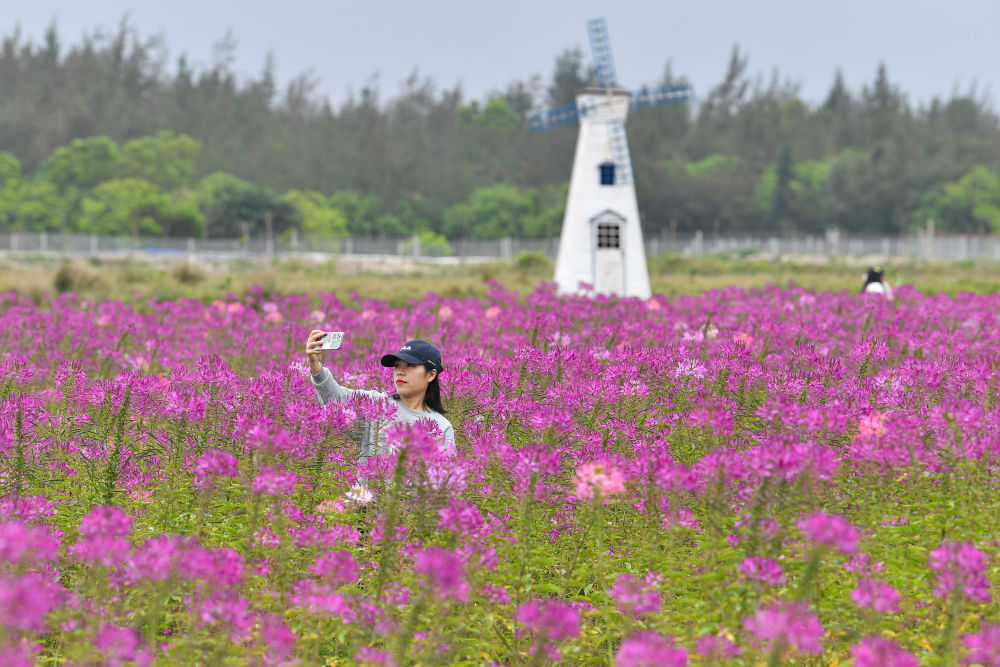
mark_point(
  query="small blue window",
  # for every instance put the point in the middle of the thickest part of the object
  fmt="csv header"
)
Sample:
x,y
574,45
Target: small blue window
x,y
607,173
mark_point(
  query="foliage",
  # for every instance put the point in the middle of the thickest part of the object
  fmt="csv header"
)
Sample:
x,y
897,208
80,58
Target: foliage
x,y
865,160
970,204
318,217
167,160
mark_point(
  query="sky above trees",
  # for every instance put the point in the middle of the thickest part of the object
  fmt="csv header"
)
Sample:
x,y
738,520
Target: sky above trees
x,y
929,47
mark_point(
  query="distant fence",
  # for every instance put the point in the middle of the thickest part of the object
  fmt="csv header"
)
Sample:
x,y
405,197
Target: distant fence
x,y
832,243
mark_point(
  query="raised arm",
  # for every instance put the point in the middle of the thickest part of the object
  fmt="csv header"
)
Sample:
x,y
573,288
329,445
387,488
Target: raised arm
x,y
327,388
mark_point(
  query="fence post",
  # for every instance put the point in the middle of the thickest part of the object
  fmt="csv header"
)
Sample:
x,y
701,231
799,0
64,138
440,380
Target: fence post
x,y
43,241
505,248
15,241
93,244
349,245
269,233
190,247
699,243
416,247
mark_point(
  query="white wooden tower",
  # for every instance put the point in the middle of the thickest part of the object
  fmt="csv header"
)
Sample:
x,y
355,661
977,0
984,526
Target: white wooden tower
x,y
601,243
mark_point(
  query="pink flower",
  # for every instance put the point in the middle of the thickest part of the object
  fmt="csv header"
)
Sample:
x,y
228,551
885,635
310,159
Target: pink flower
x,y
214,463
278,640
25,601
103,536
550,621
983,648
274,481
634,596
878,595
121,645
369,655
496,594
443,573
460,516
31,544
960,564
649,649
790,623
872,425
335,567
880,652
831,531
716,647
598,478
763,569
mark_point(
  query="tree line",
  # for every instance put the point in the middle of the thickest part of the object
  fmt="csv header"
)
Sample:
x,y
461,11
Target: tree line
x,y
109,135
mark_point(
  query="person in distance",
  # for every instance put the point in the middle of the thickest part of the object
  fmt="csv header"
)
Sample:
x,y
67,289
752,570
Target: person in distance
x,y
416,369
875,282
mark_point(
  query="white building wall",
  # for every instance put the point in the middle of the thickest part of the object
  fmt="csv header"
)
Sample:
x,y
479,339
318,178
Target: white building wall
x,y
588,198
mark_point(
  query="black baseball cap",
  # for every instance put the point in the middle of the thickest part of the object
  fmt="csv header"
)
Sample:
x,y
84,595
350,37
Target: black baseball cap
x,y
415,352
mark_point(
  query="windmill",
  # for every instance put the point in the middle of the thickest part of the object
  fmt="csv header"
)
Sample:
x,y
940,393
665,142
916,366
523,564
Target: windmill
x,y
601,241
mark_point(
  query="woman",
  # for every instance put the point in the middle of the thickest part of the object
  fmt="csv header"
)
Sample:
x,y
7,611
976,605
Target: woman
x,y
875,282
416,367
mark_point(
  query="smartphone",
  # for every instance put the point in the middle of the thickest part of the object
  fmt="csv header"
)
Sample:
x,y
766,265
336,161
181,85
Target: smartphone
x,y
332,340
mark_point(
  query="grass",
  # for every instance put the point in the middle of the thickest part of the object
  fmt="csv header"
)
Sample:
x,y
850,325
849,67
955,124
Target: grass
x,y
671,275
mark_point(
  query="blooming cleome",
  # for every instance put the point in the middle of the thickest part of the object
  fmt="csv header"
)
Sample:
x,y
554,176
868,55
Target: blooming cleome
x,y
772,476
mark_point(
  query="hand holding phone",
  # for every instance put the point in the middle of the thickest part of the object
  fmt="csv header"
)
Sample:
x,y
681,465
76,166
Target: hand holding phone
x,y
332,340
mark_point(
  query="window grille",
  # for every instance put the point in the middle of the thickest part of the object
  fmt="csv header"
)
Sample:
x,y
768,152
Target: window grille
x,y
609,236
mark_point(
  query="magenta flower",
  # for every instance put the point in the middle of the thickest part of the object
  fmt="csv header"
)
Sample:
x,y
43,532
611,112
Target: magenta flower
x,y
274,482
371,656
461,517
549,621
634,596
103,536
335,567
214,463
763,569
20,654
831,531
598,478
496,594
228,612
716,647
31,545
880,652
878,595
121,645
961,566
983,648
25,601
786,623
278,640
443,573
649,649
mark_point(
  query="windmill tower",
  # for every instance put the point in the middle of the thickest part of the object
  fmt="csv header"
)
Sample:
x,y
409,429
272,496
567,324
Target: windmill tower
x,y
601,242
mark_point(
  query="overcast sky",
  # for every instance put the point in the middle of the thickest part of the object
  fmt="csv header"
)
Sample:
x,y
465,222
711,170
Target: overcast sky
x,y
929,47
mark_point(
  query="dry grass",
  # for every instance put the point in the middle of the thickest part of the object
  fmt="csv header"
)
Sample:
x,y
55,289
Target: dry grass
x,y
128,280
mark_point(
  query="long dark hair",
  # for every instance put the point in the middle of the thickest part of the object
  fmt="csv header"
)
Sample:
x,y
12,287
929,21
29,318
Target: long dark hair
x,y
432,398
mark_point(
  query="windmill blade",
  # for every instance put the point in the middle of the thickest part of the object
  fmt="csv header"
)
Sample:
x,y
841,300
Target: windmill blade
x,y
654,97
600,48
555,117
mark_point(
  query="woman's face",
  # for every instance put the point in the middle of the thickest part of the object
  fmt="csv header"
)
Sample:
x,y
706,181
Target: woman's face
x,y
411,379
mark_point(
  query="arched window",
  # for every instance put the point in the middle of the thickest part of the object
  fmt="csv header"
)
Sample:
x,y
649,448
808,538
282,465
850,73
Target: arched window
x,y
607,170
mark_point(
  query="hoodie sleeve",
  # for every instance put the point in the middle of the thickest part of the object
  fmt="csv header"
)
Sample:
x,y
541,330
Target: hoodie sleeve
x,y
328,389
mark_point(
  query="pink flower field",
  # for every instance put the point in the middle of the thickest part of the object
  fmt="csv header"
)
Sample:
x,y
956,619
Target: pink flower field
x,y
774,476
